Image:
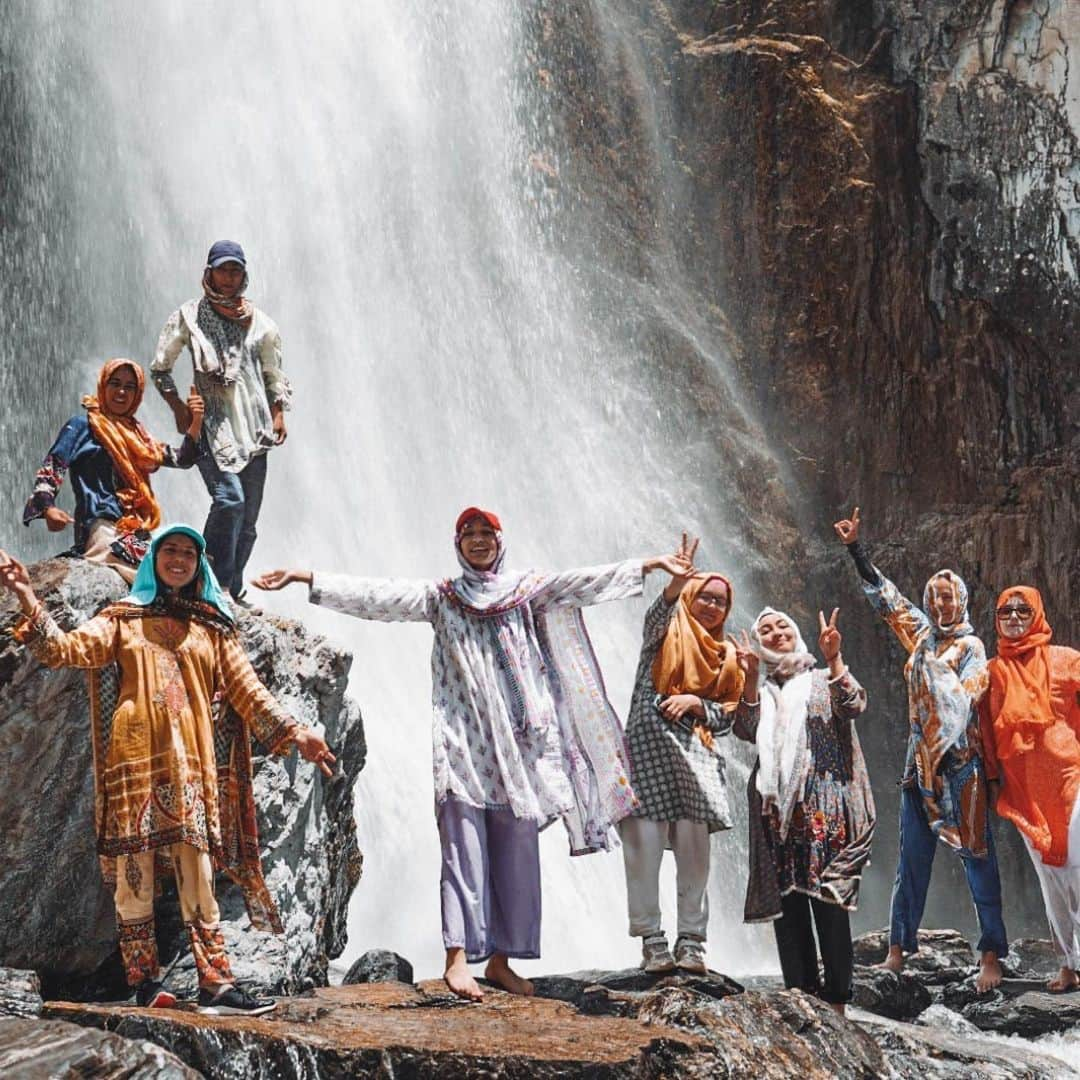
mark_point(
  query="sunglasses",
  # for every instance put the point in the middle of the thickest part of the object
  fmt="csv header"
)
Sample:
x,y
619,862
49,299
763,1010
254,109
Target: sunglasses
x,y
1020,611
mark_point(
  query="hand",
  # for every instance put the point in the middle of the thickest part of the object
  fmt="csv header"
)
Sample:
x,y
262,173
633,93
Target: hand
x,y
15,579
748,660
678,566
848,529
57,520
679,705
829,642
685,555
280,434
196,408
273,580
313,748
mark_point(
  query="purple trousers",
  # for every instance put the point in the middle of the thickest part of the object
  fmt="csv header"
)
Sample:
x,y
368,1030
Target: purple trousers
x,y
490,886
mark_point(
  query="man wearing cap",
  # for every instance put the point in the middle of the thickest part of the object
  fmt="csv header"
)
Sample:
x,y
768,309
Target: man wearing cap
x,y
236,354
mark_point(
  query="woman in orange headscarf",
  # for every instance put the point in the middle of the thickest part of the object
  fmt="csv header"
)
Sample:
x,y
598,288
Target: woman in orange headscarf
x,y
110,456
688,684
1031,745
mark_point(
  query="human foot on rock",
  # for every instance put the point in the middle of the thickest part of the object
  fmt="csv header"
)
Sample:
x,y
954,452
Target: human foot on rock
x,y
989,973
1065,980
457,977
499,972
894,960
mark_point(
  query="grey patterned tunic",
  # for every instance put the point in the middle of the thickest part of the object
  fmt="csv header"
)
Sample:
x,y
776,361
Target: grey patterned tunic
x,y
675,777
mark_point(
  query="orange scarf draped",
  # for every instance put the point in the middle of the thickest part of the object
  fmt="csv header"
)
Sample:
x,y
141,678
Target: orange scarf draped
x,y
1020,679
693,661
135,455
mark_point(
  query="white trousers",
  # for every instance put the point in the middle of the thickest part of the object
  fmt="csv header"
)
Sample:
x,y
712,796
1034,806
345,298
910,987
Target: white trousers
x,y
99,549
644,843
1061,894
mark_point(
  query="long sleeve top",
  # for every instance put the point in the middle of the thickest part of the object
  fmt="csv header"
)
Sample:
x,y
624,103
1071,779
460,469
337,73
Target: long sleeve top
x,y
155,769
93,477
832,826
512,715
238,389
675,776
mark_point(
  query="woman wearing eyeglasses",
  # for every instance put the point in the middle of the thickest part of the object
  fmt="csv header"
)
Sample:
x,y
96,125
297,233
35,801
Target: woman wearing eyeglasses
x,y
110,456
687,687
1031,720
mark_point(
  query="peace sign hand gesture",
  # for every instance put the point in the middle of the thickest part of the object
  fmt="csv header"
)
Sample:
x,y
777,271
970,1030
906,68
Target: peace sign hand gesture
x,y
829,637
848,529
681,567
748,660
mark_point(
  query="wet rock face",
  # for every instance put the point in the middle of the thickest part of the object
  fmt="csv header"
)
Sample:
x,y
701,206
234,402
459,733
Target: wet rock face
x,y
20,993
32,1049
873,209
59,916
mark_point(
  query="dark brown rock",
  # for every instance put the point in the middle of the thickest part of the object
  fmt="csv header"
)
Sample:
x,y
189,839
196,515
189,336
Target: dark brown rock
x,y
379,965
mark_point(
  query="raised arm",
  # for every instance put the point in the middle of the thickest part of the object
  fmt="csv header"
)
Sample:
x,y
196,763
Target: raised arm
x,y
91,645
598,584
904,618
381,599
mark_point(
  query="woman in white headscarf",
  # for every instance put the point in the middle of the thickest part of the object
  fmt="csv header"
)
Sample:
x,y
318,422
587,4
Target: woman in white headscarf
x,y
811,807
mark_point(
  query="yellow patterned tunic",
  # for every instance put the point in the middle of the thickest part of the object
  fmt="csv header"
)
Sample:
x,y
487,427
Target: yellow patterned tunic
x,y
155,766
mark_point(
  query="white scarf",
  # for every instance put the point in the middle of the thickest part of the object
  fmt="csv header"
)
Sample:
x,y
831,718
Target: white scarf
x,y
783,751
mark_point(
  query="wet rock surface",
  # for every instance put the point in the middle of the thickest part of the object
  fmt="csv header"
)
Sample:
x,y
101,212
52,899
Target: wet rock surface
x,y
20,993
46,1049
58,915
379,965
674,1026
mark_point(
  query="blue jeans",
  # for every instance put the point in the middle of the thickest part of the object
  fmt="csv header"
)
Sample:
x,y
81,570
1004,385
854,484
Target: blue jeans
x,y
235,501
917,848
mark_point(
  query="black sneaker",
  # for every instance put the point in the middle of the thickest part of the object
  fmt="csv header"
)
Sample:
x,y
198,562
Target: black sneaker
x,y
243,601
233,1001
150,994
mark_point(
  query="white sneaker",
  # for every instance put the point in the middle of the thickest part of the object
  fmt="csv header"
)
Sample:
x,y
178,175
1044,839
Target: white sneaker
x,y
655,955
690,955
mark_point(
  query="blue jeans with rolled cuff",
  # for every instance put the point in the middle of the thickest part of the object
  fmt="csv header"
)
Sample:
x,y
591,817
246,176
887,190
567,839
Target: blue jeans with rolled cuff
x,y
235,501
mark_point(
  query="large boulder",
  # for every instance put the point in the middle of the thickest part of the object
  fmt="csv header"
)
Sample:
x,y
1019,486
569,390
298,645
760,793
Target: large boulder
x,y
59,916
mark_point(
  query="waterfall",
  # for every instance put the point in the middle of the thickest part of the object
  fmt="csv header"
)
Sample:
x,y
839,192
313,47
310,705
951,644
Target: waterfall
x,y
391,168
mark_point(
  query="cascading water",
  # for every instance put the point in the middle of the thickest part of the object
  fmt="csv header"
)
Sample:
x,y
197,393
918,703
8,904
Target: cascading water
x,y
385,166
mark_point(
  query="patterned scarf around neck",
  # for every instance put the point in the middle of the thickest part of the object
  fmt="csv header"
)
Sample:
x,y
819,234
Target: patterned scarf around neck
x,y
234,308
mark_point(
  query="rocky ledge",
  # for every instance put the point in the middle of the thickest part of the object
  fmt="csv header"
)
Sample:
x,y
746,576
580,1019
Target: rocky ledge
x,y
588,1024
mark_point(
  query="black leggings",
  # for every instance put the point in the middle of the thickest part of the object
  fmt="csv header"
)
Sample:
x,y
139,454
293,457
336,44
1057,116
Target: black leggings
x,y
798,954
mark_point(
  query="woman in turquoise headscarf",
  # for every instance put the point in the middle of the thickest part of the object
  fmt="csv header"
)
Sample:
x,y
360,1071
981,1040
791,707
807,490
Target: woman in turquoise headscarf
x,y
172,699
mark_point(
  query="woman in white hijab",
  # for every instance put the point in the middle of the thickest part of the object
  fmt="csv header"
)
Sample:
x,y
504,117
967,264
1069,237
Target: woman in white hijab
x,y
811,808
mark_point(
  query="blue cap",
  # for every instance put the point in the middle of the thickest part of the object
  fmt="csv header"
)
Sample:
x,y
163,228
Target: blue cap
x,y
225,251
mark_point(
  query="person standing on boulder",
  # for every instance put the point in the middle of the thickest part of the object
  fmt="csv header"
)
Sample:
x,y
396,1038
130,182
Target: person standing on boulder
x,y
172,762
811,807
685,693
111,458
236,355
523,733
1031,734
944,786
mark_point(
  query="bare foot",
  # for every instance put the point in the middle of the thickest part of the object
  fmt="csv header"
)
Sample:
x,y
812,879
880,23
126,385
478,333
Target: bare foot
x,y
498,971
894,960
989,973
457,976
1066,979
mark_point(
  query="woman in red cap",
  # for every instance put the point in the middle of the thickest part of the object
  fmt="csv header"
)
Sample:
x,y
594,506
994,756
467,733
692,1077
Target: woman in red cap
x,y
1031,723
523,732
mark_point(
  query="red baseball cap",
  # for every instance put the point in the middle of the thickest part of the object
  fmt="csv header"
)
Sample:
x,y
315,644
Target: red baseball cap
x,y
471,512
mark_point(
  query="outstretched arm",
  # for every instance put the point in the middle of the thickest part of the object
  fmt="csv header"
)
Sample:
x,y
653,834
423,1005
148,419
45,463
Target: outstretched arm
x,y
381,599
598,584
904,618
